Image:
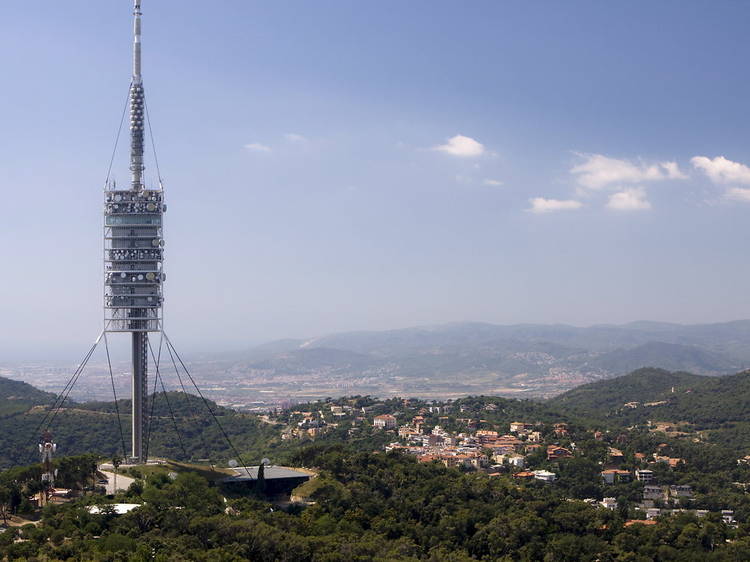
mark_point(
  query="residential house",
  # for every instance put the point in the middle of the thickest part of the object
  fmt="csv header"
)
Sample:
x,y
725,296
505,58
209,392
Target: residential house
x,y
554,453
385,421
519,427
561,429
609,503
613,475
616,456
485,436
534,436
652,513
673,462
435,440
406,431
503,450
645,476
681,491
545,475
518,461
653,493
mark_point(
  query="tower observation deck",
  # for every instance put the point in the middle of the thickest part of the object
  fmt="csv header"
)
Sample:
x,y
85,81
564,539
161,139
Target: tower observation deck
x,y
134,252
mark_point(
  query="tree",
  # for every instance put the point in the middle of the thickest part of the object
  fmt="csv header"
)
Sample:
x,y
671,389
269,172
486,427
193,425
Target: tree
x,y
5,503
116,462
260,484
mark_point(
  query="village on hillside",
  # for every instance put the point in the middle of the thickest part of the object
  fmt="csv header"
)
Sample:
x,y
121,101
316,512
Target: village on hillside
x,y
641,476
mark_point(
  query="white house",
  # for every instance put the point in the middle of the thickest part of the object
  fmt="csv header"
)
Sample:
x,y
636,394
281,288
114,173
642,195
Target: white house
x,y
545,475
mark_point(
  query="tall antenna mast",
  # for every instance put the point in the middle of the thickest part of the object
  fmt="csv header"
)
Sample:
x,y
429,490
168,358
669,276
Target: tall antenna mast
x,y
136,104
133,254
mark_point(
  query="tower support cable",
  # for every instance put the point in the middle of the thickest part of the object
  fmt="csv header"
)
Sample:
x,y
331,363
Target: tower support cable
x,y
117,138
187,402
154,396
70,388
114,394
208,406
63,396
169,406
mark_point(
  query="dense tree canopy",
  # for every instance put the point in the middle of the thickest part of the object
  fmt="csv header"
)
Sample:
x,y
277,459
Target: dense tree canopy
x,y
367,506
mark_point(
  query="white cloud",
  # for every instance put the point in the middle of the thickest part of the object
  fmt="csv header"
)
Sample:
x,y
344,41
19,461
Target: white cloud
x,y
460,145
738,194
633,199
257,147
673,171
599,171
722,170
541,205
493,183
295,137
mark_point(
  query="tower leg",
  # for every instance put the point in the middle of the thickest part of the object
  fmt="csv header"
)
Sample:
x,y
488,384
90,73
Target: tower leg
x,y
139,393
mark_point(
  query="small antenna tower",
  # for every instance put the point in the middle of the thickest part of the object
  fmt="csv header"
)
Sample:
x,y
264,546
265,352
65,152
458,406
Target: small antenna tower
x,y
46,450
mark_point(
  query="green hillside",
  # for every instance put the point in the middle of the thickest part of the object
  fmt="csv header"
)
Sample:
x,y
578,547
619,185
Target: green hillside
x,y
643,385
93,428
17,396
714,409
23,392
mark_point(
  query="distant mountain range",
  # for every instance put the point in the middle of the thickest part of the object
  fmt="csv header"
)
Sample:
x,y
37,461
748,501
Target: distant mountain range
x,y
472,358
446,361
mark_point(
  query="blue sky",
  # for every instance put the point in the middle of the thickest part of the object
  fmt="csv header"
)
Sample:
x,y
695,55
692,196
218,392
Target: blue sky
x,y
342,165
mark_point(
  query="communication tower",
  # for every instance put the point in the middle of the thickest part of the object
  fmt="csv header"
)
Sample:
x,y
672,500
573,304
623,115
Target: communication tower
x,y
134,253
46,449
133,285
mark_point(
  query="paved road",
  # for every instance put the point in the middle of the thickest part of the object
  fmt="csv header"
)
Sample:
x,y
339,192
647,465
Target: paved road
x,y
123,482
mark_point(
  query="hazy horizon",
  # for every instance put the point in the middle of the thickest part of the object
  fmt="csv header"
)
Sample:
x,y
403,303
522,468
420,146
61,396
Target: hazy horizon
x,y
333,167
120,346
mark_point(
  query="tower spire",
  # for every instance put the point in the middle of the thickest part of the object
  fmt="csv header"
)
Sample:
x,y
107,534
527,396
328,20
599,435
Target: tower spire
x,y
137,104
137,41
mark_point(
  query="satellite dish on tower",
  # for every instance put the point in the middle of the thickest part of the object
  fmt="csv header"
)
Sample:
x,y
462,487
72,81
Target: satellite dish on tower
x,y
266,462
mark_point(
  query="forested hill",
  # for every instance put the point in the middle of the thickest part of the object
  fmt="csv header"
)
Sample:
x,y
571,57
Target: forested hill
x,y
642,385
23,392
17,397
713,409
181,429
